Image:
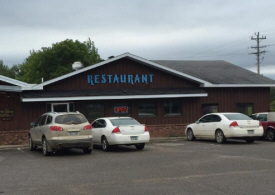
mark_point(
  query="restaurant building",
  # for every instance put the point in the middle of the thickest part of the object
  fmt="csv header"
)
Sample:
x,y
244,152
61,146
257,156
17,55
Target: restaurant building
x,y
165,95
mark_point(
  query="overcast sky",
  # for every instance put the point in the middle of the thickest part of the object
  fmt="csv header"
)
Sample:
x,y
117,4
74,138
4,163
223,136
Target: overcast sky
x,y
152,29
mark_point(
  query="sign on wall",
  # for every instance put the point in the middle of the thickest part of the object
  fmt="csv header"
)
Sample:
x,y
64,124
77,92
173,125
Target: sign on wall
x,y
6,114
124,78
121,109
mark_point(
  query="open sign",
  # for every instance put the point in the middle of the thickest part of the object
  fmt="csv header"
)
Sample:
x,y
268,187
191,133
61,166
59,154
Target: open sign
x,y
121,109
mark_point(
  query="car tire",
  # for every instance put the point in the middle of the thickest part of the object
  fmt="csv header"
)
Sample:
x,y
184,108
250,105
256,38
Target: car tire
x,y
219,137
105,145
45,147
190,135
32,146
87,150
270,134
140,146
249,140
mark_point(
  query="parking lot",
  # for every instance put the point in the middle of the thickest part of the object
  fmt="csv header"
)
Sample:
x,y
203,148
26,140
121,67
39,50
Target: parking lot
x,y
173,166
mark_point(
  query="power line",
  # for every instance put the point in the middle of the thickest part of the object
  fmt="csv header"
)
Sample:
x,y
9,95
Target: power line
x,y
258,48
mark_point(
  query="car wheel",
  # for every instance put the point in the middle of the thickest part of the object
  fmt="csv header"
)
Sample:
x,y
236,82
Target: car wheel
x,y
270,134
139,146
190,135
249,140
32,146
87,150
45,147
105,144
219,136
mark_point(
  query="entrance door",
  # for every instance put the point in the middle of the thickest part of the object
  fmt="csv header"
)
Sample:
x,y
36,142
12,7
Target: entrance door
x,y
60,107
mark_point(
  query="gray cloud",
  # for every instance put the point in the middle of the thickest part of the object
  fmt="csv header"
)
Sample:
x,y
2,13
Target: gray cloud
x,y
156,29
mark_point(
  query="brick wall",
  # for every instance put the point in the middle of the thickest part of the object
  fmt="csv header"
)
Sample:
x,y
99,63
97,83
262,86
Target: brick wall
x,y
13,137
167,130
21,137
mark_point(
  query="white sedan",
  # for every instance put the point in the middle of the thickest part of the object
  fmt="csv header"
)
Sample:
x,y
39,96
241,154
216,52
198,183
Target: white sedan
x,y
220,126
119,131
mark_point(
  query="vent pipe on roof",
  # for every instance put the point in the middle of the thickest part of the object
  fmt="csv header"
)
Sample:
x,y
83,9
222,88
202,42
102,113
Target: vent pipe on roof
x,y
77,65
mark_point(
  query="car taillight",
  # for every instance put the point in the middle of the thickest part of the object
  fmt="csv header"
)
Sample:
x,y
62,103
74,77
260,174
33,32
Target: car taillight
x,y
234,124
146,129
88,127
56,128
116,130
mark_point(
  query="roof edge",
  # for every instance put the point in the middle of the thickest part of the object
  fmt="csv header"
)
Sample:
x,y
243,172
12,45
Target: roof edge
x,y
128,55
13,81
113,97
238,85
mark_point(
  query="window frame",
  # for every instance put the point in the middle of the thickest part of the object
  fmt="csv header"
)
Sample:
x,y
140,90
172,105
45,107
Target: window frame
x,y
246,108
207,105
91,106
150,115
173,114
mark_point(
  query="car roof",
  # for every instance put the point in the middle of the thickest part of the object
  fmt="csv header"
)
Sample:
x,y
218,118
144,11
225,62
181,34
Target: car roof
x,y
114,118
61,113
223,113
263,112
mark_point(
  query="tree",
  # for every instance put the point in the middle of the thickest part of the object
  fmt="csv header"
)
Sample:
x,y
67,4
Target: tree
x,y
6,71
52,62
272,94
272,106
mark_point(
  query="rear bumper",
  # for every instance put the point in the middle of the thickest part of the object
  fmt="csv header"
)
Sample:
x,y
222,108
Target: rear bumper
x,y
237,132
119,139
57,143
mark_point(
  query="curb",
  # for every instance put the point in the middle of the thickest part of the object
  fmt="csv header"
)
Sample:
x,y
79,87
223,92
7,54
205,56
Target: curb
x,y
13,146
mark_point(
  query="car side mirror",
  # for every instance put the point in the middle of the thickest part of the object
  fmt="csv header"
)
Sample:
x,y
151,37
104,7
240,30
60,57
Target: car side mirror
x,y
197,122
32,124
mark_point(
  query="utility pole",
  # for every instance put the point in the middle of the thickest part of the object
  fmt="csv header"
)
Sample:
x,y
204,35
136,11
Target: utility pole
x,y
258,48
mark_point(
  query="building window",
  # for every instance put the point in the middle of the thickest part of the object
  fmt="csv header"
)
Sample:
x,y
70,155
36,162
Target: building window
x,y
93,111
147,110
60,107
122,110
172,109
245,108
209,108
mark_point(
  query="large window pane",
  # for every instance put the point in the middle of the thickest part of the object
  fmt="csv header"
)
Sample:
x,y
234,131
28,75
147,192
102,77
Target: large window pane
x,y
172,109
209,108
93,111
245,108
147,110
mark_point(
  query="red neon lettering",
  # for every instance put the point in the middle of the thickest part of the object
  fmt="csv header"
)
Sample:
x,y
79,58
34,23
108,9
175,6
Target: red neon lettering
x,y
123,109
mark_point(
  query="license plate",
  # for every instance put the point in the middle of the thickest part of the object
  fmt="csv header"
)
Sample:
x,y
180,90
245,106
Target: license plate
x,y
134,137
74,133
250,131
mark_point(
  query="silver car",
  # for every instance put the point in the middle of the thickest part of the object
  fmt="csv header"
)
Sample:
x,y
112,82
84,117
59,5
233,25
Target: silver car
x,y
55,131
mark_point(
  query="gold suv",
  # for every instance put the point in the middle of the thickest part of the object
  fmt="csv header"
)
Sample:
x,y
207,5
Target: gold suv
x,y
55,131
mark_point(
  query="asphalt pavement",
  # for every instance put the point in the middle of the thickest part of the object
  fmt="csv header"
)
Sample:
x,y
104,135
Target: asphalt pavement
x,y
165,166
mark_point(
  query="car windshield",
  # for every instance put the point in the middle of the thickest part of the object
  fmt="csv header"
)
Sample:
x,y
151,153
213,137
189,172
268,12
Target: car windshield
x,y
70,119
124,121
232,117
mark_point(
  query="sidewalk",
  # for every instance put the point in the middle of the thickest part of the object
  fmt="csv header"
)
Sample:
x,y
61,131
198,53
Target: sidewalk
x,y
152,140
